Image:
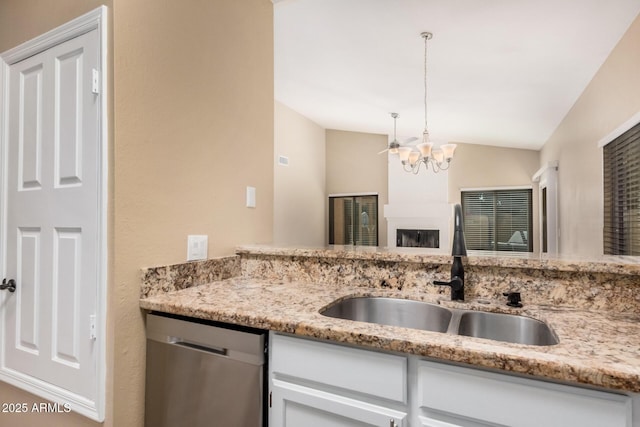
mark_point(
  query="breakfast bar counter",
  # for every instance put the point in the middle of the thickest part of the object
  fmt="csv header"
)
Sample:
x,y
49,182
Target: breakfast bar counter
x,y
597,347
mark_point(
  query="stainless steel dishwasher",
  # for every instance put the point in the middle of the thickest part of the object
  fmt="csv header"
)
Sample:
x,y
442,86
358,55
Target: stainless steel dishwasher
x,y
203,375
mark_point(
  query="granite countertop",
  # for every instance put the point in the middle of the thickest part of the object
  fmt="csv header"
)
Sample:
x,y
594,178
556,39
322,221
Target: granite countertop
x,y
596,348
603,264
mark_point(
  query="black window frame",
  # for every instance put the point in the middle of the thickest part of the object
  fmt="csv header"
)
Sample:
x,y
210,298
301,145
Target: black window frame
x,y
498,231
621,194
354,219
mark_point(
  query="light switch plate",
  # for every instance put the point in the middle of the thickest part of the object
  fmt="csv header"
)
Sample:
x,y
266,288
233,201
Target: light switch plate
x,y
197,246
251,197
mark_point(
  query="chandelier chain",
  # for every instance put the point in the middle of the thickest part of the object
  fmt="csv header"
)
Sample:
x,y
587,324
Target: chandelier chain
x,y
394,127
426,38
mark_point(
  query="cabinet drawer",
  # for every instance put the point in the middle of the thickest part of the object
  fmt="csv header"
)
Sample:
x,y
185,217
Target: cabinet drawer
x,y
519,402
367,372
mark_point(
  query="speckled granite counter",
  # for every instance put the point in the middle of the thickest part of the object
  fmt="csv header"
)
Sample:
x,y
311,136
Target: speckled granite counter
x,y
609,283
604,264
597,347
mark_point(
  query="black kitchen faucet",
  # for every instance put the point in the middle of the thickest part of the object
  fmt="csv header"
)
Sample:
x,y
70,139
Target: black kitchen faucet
x,y
459,249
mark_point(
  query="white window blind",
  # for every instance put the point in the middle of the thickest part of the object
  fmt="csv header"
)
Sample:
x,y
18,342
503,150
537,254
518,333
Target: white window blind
x,y
498,220
621,166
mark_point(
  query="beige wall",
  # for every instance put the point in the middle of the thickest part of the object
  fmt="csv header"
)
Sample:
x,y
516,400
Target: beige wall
x,y
299,189
612,97
354,166
192,126
23,20
483,166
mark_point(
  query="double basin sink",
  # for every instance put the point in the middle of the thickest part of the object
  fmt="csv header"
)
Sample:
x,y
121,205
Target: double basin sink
x,y
431,317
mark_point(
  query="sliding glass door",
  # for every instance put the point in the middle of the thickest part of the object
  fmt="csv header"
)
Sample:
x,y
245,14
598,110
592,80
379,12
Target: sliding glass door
x,y
353,220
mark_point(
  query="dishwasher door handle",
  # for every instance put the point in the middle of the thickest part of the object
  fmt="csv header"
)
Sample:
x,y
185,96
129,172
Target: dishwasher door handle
x,y
216,341
199,347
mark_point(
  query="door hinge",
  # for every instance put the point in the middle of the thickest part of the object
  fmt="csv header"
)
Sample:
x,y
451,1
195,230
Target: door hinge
x,y
95,81
92,327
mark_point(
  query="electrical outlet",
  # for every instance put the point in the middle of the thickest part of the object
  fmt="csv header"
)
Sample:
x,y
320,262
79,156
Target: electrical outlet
x,y
197,247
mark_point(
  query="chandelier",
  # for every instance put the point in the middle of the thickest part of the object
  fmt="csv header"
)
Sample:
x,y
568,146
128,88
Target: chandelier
x,y
439,158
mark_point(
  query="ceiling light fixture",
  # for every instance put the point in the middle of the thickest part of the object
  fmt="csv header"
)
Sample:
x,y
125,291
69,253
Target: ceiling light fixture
x,y
394,145
439,157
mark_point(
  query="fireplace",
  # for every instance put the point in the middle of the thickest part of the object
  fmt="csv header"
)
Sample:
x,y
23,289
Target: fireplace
x,y
418,204
415,238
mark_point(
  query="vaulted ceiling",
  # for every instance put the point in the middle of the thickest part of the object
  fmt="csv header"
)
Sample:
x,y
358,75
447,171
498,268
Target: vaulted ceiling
x,y
500,72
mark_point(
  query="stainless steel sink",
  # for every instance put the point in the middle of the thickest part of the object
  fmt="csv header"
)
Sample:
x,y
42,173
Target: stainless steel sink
x,y
430,317
506,327
393,312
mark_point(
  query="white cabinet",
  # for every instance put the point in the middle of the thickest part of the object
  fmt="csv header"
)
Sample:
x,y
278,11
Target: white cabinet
x,y
296,405
319,384
456,396
314,384
430,422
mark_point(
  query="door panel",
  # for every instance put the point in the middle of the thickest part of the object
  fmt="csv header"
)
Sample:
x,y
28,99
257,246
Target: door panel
x,y
69,120
66,293
30,99
28,327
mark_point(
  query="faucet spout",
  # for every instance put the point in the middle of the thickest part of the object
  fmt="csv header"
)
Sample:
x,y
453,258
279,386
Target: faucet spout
x,y
459,249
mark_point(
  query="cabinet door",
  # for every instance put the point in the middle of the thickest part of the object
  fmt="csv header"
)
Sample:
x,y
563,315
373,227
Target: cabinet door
x,y
372,374
294,405
477,397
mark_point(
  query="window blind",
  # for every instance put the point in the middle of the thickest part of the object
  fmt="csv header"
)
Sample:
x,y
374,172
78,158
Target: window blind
x,y
621,184
498,220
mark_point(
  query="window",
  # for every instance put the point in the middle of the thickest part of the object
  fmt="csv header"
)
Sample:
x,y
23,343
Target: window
x,y
621,166
544,220
353,220
498,220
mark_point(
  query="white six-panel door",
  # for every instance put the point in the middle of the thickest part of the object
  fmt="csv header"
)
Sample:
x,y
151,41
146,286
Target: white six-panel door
x,y
53,218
